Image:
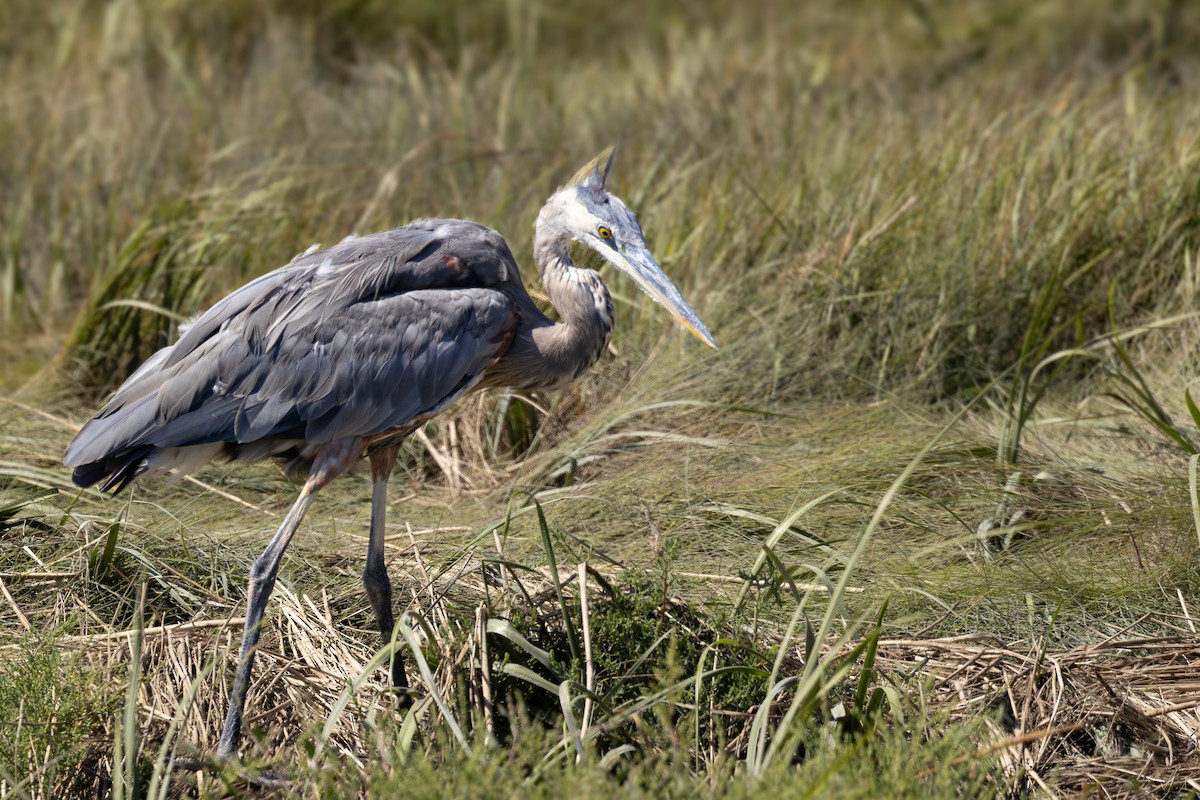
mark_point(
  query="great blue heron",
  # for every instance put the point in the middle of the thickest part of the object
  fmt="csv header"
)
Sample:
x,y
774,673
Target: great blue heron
x,y
343,352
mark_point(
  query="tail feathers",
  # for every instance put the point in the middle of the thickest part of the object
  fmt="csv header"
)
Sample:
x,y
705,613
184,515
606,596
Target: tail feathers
x,y
119,469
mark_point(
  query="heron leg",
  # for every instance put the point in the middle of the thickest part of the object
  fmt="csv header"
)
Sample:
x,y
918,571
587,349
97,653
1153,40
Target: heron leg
x,y
331,461
375,576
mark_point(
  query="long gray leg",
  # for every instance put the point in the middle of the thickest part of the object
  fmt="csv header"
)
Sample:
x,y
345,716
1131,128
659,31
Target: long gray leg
x,y
332,460
262,581
375,577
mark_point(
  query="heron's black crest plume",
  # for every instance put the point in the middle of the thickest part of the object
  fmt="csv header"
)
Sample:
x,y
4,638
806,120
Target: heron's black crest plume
x,y
592,175
612,153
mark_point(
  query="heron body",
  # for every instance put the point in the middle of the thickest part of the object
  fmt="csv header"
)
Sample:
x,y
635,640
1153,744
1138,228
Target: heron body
x,y
342,353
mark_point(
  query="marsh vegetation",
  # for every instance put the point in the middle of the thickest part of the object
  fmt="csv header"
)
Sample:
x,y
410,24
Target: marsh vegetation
x,y
926,525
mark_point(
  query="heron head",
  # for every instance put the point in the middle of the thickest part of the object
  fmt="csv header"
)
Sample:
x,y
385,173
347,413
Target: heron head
x,y
586,212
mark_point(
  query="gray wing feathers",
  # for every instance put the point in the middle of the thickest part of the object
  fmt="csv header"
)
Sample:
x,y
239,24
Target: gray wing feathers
x,y
317,285
381,365
111,433
375,333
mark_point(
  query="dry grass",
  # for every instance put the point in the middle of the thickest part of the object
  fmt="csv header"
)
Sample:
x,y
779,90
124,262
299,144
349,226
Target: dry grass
x,y
1118,716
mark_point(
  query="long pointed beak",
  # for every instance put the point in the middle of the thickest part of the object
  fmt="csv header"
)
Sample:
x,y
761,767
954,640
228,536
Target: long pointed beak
x,y
639,264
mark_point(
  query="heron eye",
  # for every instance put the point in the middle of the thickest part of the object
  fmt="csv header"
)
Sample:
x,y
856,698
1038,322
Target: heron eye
x,y
604,232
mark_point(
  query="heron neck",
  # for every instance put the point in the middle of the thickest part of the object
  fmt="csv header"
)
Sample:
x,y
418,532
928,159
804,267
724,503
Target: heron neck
x,y
584,307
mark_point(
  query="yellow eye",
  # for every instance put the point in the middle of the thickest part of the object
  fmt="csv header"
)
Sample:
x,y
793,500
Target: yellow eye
x,y
604,232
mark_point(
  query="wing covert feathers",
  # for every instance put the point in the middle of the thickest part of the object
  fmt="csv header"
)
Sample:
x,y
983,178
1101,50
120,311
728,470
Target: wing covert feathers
x,y
368,336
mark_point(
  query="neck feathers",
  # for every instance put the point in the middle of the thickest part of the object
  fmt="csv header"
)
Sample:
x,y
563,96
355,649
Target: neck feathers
x,y
585,309
545,353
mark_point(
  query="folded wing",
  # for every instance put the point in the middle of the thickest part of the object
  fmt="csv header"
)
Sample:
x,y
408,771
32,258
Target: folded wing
x,y
376,334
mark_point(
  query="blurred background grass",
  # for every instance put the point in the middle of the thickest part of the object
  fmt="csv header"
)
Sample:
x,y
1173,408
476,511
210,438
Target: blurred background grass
x,y
828,168
885,210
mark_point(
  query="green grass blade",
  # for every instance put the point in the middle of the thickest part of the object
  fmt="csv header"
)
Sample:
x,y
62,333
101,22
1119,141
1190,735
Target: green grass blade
x,y
1193,409
772,541
127,785
505,629
406,630
567,613
529,676
1194,492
